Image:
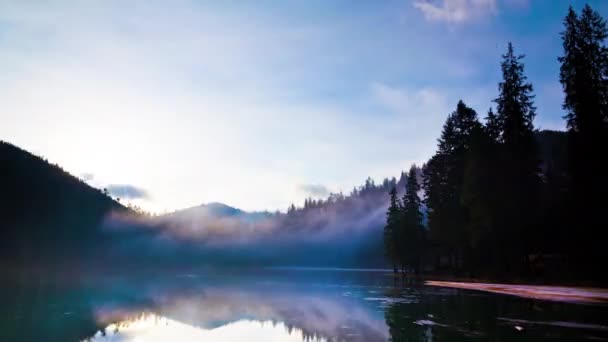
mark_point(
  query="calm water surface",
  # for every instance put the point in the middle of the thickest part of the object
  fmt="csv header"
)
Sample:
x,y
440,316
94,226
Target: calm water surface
x,y
278,305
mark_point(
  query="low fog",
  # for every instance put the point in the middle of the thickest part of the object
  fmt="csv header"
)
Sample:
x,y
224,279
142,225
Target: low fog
x,y
342,230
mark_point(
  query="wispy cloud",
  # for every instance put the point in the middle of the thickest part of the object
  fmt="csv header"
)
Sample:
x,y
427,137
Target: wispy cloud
x,y
126,191
402,100
87,176
315,190
456,11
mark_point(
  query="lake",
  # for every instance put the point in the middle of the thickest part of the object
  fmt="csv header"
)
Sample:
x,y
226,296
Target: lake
x,y
278,305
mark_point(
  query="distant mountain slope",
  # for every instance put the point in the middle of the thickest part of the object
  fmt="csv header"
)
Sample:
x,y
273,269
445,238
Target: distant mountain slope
x,y
209,210
343,230
213,211
45,211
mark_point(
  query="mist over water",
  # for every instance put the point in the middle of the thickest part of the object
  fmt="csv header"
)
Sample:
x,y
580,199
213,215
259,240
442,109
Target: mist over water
x,y
341,231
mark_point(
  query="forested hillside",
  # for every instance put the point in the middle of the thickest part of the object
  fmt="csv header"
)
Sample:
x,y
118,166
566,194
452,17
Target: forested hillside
x,y
45,212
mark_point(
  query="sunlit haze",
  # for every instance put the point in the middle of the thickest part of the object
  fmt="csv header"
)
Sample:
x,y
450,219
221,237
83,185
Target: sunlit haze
x,y
174,104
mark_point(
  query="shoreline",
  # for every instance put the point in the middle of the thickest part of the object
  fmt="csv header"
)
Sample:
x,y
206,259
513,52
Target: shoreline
x,y
569,294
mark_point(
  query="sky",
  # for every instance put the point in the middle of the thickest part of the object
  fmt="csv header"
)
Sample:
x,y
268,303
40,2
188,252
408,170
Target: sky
x,y
258,104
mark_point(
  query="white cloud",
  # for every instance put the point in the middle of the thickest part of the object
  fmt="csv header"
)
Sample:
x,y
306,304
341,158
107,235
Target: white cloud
x,y
315,190
87,176
127,191
403,101
456,11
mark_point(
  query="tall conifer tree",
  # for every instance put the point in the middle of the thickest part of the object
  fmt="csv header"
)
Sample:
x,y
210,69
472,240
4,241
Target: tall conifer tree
x,y
444,180
584,78
391,228
519,163
412,227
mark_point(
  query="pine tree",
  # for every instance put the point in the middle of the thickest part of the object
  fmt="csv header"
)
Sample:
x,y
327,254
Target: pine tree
x,y
493,126
584,78
412,238
291,210
515,102
519,162
391,229
443,183
401,181
583,71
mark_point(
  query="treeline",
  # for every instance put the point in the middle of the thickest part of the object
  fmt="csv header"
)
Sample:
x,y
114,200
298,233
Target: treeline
x,y
341,230
404,234
496,205
366,196
362,209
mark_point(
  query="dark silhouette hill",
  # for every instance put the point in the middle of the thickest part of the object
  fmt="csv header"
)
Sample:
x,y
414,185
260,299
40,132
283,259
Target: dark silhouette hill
x,y
45,212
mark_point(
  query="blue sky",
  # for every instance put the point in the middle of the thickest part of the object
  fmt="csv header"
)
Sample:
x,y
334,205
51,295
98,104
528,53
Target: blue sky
x,y
256,103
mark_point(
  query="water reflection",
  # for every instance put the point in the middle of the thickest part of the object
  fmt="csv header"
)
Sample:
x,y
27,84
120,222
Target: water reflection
x,y
151,327
279,306
317,310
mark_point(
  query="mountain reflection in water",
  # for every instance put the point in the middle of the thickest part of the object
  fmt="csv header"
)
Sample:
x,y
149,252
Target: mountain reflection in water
x,y
278,305
150,327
